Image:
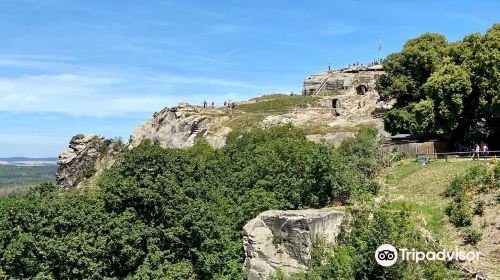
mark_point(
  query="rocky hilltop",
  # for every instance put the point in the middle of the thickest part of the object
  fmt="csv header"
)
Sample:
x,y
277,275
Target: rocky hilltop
x,y
181,126
334,105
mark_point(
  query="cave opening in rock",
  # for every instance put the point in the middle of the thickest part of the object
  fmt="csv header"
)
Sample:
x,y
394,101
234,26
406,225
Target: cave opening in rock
x,y
361,89
335,106
334,103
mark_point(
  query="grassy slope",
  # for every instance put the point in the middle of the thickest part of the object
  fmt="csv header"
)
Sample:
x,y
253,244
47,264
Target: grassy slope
x,y
249,114
411,186
18,179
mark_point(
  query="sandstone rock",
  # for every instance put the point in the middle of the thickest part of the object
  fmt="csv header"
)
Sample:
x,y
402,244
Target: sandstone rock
x,y
283,239
354,80
83,150
334,139
180,127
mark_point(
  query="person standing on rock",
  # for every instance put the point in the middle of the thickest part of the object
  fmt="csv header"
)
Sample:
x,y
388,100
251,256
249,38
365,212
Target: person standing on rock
x,y
213,105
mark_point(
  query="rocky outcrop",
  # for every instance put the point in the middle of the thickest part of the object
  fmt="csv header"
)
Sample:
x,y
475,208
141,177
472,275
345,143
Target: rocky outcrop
x,y
181,126
283,239
350,93
78,161
353,80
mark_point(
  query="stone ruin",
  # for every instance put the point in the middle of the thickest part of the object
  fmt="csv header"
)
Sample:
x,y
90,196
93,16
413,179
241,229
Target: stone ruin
x,y
349,92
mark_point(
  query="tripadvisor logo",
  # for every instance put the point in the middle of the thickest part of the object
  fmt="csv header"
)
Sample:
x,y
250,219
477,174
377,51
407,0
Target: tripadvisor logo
x,y
387,255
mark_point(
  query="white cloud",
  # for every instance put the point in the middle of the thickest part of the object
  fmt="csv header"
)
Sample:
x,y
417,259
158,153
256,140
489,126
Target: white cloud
x,y
100,95
73,94
33,61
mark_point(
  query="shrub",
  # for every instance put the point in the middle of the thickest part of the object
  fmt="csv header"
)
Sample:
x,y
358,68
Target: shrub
x,y
365,151
278,239
118,145
472,235
479,178
479,208
460,213
89,169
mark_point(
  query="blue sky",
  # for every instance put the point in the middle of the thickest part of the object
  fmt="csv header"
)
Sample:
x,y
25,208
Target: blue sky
x,y
93,66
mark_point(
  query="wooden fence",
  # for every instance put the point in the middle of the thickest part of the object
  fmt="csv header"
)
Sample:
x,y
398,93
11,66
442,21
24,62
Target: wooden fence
x,y
412,149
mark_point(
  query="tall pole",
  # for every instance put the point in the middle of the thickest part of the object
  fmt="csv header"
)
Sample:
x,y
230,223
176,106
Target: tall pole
x,y
379,51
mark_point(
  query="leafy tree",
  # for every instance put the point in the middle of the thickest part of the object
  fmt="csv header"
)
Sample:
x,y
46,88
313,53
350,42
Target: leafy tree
x,y
178,213
448,89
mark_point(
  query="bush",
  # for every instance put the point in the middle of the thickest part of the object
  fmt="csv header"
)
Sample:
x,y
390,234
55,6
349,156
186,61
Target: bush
x,y
478,179
89,169
365,151
460,213
479,208
472,235
118,145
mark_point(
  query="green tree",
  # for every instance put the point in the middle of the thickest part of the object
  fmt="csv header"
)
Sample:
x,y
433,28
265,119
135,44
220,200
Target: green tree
x,y
452,90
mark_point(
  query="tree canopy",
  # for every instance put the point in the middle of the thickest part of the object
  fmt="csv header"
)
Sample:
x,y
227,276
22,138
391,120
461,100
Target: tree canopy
x,y
178,213
448,89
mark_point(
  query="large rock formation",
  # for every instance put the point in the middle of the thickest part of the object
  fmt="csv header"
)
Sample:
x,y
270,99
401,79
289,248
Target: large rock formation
x,y
283,239
181,126
350,93
353,80
77,161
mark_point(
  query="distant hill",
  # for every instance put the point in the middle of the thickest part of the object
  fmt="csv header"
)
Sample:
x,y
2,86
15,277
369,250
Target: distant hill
x,y
17,179
25,161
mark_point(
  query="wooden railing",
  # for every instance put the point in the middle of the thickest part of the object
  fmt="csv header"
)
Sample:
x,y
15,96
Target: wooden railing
x,y
471,155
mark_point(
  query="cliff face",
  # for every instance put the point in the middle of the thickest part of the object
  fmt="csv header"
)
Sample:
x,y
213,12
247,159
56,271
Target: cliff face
x,y
284,239
78,161
180,127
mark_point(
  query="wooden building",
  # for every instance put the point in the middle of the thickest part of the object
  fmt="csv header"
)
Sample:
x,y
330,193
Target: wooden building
x,y
412,145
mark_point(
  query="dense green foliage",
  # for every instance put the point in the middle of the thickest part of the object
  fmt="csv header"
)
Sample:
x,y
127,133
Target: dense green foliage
x,y
466,192
449,89
353,256
19,178
178,214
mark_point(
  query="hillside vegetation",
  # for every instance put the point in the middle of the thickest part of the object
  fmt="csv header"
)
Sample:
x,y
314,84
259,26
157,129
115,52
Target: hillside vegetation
x,y
17,179
443,88
178,213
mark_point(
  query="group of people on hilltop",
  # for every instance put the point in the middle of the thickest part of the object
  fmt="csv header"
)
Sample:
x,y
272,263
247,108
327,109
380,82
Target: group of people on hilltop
x,y
357,63
478,151
227,103
205,104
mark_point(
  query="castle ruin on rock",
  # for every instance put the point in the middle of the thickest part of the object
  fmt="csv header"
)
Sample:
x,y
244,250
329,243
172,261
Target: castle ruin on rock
x,y
350,91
